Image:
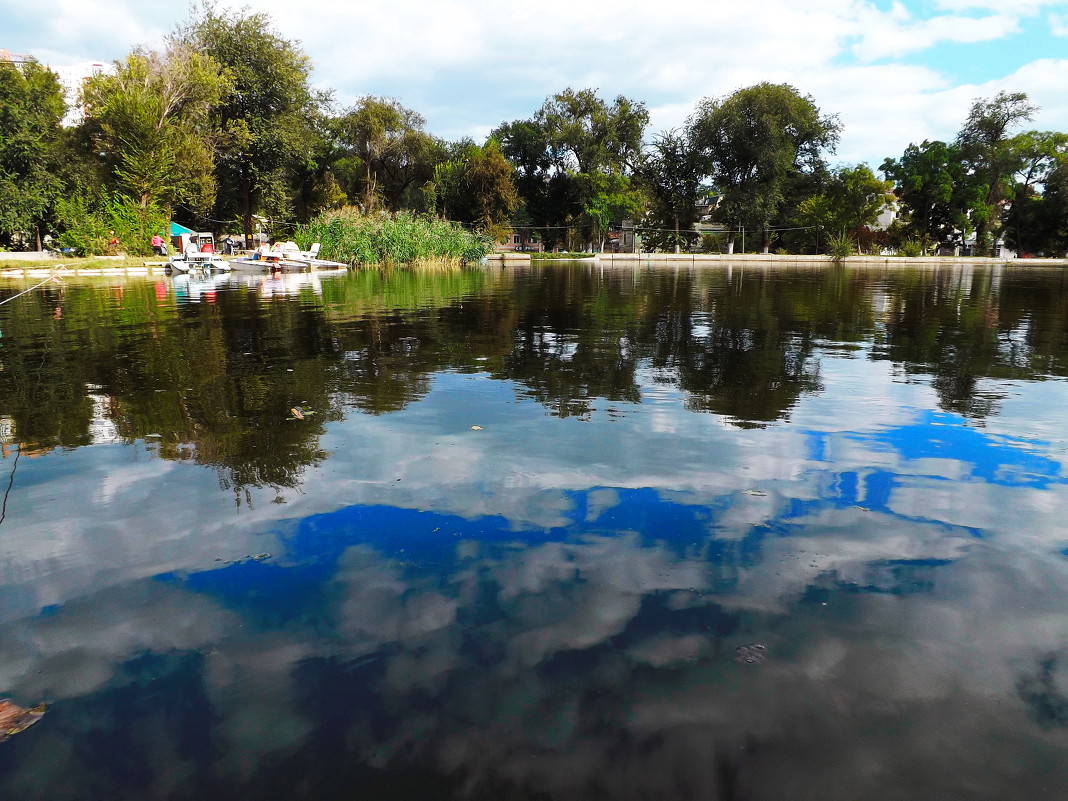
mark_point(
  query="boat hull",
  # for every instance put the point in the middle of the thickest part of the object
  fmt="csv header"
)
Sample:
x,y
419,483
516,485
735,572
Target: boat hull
x,y
284,265
198,262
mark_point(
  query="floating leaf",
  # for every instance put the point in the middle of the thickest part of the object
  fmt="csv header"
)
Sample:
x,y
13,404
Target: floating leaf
x,y
15,719
476,428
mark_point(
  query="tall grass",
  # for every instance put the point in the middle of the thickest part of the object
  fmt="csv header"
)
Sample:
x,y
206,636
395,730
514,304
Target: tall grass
x,y
840,246
349,236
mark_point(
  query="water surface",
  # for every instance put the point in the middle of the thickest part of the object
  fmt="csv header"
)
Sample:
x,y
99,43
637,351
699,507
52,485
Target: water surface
x,y
578,532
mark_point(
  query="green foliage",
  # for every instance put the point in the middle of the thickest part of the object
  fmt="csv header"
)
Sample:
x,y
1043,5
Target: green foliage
x,y
574,160
933,189
350,236
851,200
476,188
991,158
150,122
84,224
135,224
388,152
756,141
840,246
910,248
31,106
264,122
89,222
711,243
671,173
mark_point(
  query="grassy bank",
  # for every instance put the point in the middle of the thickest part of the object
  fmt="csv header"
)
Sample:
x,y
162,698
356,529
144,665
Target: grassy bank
x,y
348,236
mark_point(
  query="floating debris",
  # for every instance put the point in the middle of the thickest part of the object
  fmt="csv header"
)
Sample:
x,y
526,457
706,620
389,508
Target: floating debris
x,y
260,557
15,719
297,412
758,493
752,654
476,428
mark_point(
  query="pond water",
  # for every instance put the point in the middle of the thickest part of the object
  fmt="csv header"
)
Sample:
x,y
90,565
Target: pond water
x,y
580,532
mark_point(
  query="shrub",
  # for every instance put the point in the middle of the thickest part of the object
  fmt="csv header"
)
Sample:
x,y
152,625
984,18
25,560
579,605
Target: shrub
x,y
88,221
910,248
840,246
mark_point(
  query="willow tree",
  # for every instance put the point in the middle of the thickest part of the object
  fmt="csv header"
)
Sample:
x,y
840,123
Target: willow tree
x,y
31,106
387,152
757,141
263,120
597,145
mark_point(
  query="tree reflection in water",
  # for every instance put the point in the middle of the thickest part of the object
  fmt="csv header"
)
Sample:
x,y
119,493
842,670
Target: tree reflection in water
x,y
215,381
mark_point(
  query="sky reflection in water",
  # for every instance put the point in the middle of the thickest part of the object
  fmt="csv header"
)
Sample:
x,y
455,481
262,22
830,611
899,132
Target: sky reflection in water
x,y
383,602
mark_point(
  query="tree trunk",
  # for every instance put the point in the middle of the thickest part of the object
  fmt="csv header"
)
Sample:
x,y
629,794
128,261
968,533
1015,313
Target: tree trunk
x,y
980,239
730,242
370,179
246,208
766,246
676,233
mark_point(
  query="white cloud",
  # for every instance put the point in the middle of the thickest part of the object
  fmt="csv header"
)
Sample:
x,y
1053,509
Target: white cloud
x,y
469,66
886,37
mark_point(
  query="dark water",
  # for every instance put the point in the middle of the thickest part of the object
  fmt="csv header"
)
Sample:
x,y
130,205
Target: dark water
x,y
573,533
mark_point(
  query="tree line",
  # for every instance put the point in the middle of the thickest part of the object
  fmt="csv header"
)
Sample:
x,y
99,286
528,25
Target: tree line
x,y
221,129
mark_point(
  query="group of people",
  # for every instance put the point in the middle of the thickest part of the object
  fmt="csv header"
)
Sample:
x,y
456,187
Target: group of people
x,y
267,249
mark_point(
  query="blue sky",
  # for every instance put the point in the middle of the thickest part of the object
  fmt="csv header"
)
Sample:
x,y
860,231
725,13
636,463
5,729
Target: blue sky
x,y
894,72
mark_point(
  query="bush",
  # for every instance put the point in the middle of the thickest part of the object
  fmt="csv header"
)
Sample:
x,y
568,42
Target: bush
x,y
347,235
88,221
910,248
840,246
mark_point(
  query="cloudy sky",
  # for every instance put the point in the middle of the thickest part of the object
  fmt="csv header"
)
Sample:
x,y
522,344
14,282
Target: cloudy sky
x,y
894,72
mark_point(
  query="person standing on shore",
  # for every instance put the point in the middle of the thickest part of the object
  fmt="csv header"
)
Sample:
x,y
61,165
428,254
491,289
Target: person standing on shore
x,y
157,245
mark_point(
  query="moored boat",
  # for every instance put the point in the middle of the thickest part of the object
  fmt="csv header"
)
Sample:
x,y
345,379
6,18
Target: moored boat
x,y
199,255
288,258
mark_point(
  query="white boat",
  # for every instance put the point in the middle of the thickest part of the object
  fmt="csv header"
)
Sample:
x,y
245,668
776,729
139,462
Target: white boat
x,y
203,257
289,258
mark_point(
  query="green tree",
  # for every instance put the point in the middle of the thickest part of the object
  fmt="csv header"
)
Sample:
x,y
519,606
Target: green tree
x,y
757,141
991,158
852,200
597,146
931,186
315,183
574,160
149,123
264,122
586,135
389,152
547,195
31,106
671,173
1043,155
476,188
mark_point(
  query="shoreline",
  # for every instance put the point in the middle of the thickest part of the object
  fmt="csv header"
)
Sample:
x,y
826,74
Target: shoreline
x,y
43,268
513,259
